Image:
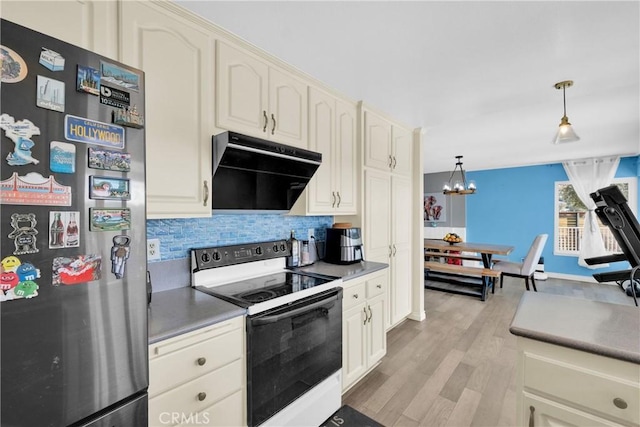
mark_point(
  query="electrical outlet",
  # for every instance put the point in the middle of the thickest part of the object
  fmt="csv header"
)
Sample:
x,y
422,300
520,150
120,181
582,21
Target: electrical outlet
x,y
310,233
153,250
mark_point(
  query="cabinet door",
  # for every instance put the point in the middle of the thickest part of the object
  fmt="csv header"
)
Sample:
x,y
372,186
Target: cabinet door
x,y
241,92
88,24
401,151
401,245
345,157
541,412
377,330
320,192
354,345
287,109
377,142
178,106
377,215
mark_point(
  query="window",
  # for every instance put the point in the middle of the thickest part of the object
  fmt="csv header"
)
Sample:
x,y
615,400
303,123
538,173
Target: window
x,y
570,215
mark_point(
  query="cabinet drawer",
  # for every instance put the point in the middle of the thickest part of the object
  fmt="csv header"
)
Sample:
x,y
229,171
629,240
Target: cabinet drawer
x,y
196,396
587,388
377,285
192,361
227,412
353,295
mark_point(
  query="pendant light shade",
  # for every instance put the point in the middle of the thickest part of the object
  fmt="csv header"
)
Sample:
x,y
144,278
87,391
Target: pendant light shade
x,y
565,130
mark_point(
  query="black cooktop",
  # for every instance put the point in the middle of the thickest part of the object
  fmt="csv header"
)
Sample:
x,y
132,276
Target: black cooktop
x,y
248,292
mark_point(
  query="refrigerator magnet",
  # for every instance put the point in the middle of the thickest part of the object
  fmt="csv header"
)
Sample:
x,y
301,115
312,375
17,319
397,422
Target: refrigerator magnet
x,y
114,97
88,80
107,188
18,281
51,60
34,189
50,94
76,269
119,76
64,229
27,289
128,117
24,233
109,219
80,129
20,133
109,160
119,255
14,69
62,157
27,271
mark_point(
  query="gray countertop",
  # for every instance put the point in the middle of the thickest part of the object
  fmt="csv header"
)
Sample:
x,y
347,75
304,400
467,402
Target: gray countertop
x,y
606,329
346,271
182,310
177,311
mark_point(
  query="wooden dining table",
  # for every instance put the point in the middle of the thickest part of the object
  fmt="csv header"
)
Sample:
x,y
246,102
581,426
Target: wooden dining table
x,y
460,284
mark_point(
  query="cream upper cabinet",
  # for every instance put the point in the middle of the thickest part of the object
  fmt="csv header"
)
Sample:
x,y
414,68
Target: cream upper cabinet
x,y
401,150
85,23
258,99
377,142
176,55
332,132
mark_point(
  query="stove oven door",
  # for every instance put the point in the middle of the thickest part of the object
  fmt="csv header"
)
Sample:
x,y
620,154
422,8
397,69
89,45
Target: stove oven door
x,y
290,350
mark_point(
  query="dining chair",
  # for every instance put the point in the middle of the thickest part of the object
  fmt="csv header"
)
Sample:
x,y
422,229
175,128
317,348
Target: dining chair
x,y
527,267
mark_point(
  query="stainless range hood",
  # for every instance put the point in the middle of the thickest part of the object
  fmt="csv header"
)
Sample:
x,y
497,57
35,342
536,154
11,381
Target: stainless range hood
x,y
252,174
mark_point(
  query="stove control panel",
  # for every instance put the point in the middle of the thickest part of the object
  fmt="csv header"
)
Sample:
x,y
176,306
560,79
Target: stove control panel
x,y
221,256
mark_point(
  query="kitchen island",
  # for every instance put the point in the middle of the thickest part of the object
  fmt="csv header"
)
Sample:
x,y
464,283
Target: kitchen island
x,y
578,361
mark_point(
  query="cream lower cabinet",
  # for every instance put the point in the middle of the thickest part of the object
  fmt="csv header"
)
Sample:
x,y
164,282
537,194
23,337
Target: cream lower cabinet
x,y
364,339
176,53
258,99
199,378
559,386
85,23
387,218
332,132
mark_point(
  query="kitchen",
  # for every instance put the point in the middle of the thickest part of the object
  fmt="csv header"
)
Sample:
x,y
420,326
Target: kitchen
x,y
185,194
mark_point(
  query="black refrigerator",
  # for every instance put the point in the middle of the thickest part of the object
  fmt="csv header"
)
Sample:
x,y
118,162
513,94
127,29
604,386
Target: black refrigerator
x,y
73,300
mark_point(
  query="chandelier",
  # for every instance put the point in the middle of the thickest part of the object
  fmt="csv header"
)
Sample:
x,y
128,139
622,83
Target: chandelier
x,y
459,187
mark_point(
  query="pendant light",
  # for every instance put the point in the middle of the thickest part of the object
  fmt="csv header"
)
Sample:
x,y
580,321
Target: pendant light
x,y
565,131
459,187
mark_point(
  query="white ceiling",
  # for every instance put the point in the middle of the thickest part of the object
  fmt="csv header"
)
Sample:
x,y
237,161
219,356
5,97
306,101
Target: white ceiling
x,y
478,76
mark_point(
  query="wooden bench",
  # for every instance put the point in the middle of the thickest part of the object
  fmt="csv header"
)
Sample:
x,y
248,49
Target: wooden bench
x,y
451,255
487,275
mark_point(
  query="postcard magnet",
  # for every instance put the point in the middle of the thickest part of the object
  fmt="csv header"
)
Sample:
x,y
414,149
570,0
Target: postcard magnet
x,y
109,160
14,69
34,189
50,94
20,133
88,80
114,97
76,269
109,219
108,188
51,59
64,231
24,233
119,255
62,157
119,76
128,117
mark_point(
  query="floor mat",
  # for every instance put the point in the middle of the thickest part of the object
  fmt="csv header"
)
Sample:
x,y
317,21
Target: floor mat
x,y
349,417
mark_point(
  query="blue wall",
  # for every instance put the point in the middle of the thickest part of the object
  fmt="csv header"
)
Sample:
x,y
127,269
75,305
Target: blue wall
x,y
178,236
513,205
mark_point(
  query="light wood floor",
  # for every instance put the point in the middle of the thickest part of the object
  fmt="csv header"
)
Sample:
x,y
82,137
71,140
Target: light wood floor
x,y
457,368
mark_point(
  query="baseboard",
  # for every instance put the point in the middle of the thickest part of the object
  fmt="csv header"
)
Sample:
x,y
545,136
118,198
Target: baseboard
x,y
417,316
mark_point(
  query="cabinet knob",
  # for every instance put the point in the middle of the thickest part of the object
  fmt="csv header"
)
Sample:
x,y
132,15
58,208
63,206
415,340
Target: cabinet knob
x,y
202,396
390,161
620,403
531,419
379,286
339,199
273,129
206,194
355,296
202,361
266,120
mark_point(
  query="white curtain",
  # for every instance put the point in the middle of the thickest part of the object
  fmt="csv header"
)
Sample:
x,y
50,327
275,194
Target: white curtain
x,y
587,176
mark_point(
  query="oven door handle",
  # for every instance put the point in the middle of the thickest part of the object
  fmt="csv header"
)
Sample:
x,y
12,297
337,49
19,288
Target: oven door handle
x,y
278,317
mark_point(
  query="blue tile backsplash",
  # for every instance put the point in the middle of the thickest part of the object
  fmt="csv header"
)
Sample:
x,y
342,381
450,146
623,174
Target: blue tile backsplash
x,y
178,236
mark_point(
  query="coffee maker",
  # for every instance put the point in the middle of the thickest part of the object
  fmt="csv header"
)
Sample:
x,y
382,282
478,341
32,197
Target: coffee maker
x,y
344,245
